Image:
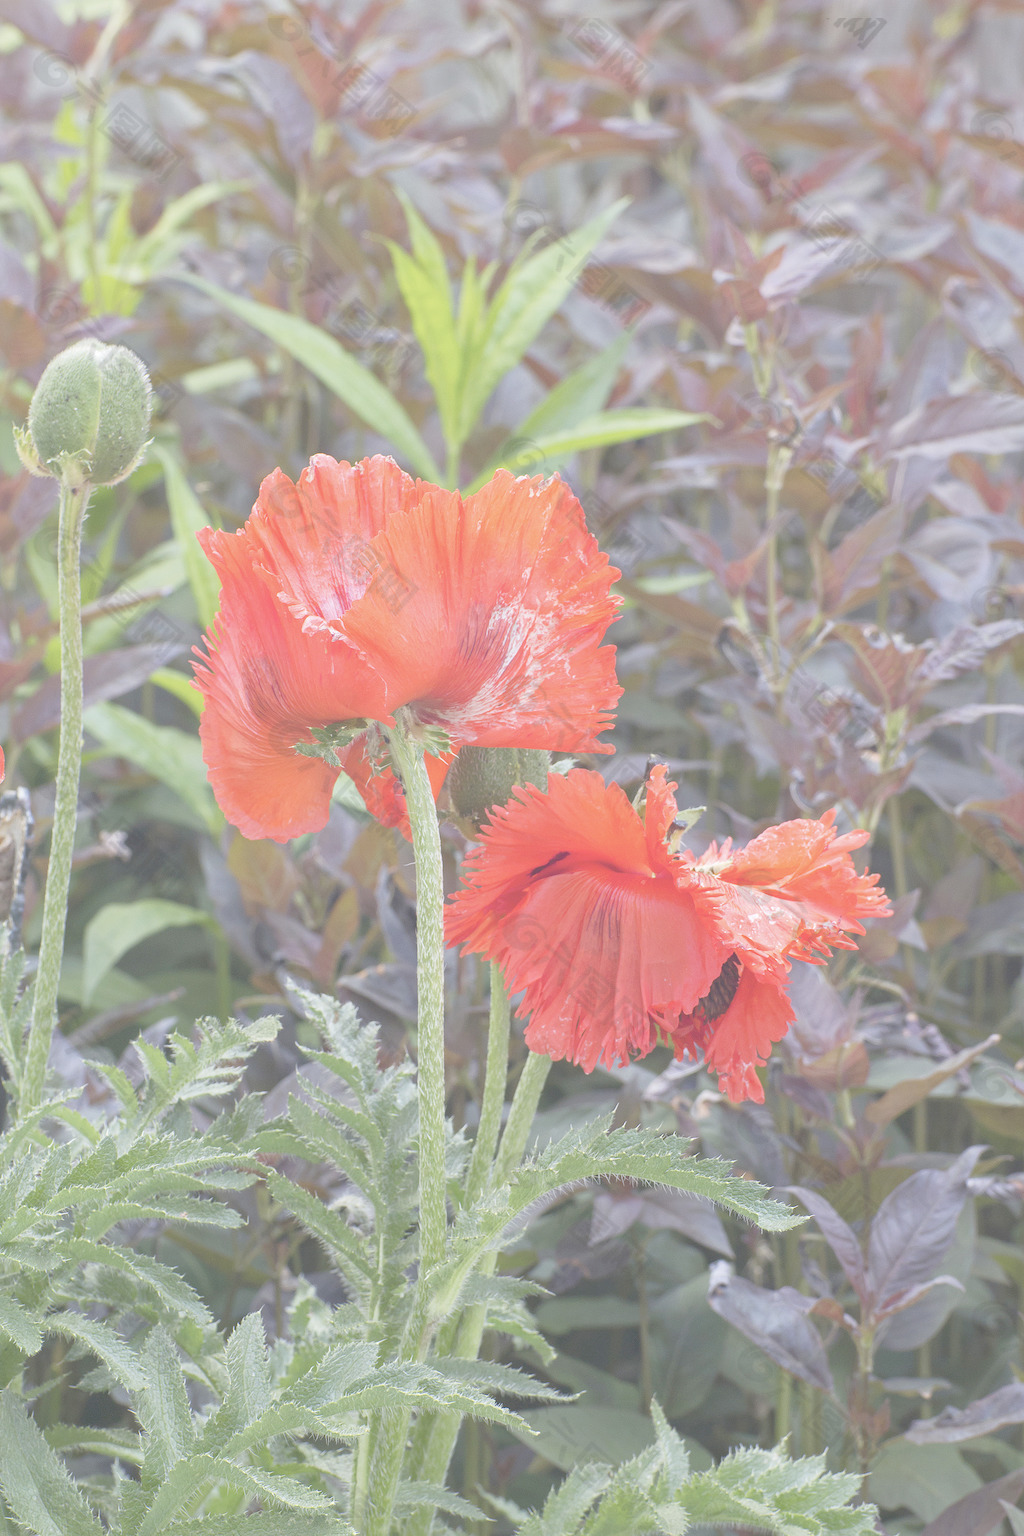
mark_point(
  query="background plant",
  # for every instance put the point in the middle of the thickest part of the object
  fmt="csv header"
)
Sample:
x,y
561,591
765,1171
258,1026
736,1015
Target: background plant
x,y
823,585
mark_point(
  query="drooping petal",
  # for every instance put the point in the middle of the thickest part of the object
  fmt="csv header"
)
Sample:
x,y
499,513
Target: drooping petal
x,y
741,1040
791,894
264,684
608,961
578,818
488,614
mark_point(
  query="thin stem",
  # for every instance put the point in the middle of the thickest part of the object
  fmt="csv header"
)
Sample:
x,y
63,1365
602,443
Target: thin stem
x,y
521,1116
495,1078
65,811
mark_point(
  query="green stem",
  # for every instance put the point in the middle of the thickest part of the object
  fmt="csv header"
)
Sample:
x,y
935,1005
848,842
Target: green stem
x,y
378,1484
495,1078
433,1447
65,811
407,756
521,1116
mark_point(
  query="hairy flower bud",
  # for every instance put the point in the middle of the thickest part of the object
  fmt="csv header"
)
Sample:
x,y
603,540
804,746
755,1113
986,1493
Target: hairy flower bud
x,y
482,777
89,417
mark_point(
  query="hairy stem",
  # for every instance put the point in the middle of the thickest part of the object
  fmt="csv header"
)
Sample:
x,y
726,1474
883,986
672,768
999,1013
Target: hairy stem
x,y
378,1484
495,1078
65,811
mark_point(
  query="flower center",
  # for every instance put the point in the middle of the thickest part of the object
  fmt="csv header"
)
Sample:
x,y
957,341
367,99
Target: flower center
x,y
720,994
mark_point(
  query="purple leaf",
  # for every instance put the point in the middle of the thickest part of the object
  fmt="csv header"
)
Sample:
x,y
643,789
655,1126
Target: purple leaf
x,y
979,1513
914,1226
965,715
915,1293
977,423
106,676
982,1417
841,1238
776,1321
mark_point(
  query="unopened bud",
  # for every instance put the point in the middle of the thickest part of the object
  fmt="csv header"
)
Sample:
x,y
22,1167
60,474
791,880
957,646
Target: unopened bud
x,y
482,777
89,417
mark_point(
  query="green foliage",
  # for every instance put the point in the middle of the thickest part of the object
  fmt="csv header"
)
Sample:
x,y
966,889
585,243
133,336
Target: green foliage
x,y
656,1493
358,389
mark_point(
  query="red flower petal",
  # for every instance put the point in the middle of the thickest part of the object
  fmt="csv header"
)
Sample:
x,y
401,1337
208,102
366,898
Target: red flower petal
x,y
609,953
792,894
264,684
375,591
486,615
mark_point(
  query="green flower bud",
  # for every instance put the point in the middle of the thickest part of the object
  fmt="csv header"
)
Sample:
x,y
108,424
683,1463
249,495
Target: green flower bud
x,y
89,417
482,777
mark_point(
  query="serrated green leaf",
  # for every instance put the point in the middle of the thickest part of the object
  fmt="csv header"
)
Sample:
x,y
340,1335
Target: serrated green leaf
x,y
358,389
163,1410
190,1479
19,1326
34,1481
280,1524
116,1353
566,1506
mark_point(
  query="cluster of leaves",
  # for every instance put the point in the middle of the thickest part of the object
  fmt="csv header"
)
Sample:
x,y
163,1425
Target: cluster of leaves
x,y
787,382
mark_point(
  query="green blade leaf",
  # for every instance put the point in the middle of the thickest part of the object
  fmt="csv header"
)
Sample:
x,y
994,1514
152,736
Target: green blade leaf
x,y
539,455
122,925
531,293
423,281
359,389
580,395
187,517
171,756
34,1481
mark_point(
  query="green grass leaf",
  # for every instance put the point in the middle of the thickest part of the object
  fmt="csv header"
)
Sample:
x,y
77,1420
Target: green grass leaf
x,y
542,454
121,925
171,756
533,290
187,517
355,386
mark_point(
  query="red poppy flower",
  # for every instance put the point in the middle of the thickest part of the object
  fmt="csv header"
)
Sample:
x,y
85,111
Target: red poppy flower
x,y
619,942
358,591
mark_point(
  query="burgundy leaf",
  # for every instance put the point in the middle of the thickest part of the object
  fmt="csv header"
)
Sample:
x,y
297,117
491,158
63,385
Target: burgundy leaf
x,y
840,1237
107,675
978,423
965,715
914,1226
980,1512
776,1321
982,1417
908,1298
